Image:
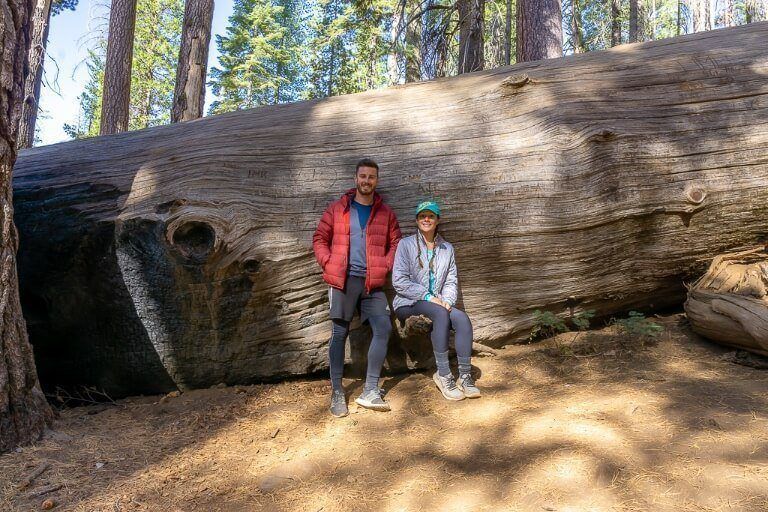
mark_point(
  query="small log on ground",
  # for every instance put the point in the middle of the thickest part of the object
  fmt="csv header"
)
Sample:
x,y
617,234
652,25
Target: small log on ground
x,y
729,304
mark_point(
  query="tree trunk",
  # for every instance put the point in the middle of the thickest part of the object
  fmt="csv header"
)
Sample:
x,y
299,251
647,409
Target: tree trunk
x,y
39,23
24,411
633,21
471,53
615,22
729,19
700,15
189,93
181,254
578,45
117,68
539,30
508,35
413,47
729,304
395,58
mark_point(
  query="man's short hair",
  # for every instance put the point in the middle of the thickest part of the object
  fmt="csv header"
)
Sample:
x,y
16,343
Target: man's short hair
x,y
366,162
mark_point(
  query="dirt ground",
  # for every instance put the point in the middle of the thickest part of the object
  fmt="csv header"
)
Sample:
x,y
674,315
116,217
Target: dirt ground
x,y
599,423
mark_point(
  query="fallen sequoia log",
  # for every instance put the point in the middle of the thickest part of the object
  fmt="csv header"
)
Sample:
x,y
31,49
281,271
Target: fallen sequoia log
x,y
181,255
729,304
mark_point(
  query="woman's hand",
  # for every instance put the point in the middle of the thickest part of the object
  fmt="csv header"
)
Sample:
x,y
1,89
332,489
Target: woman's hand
x,y
440,302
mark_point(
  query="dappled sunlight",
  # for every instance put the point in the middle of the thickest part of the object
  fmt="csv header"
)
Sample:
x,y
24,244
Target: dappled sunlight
x,y
670,427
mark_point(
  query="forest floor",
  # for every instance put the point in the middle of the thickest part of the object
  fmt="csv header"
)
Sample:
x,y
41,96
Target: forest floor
x,y
601,422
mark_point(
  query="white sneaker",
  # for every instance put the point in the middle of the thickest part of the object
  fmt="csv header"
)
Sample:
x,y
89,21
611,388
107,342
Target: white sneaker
x,y
447,386
467,386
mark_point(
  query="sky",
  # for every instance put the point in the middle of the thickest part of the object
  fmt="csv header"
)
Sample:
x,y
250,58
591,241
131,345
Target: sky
x,y
66,73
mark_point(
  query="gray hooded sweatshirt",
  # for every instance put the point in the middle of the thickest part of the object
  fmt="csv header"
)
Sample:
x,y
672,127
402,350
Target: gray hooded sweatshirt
x,y
411,281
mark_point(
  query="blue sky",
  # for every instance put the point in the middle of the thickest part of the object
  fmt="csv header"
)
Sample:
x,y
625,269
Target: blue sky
x,y
67,50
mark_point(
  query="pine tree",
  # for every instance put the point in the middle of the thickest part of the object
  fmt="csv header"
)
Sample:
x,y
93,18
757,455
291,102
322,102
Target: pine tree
x,y
156,50
260,56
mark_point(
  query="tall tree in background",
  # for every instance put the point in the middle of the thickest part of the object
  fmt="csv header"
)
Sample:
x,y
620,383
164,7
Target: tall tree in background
x,y
615,22
260,56
413,30
155,57
539,30
577,40
24,411
189,91
701,20
39,25
508,33
633,18
117,69
471,17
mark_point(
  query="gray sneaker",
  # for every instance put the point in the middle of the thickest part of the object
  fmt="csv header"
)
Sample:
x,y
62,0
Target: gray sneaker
x,y
339,403
372,399
467,385
447,386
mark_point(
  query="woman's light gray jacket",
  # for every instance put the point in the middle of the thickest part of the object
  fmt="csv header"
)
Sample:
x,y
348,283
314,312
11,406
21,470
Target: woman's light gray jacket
x,y
411,281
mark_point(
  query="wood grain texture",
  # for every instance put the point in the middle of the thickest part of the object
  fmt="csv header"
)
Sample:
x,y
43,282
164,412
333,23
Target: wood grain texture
x,y
181,254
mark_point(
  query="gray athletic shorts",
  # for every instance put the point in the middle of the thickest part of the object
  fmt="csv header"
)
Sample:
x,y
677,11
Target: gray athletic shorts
x,y
354,297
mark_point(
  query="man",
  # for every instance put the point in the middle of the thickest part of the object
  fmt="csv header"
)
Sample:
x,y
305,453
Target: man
x,y
355,244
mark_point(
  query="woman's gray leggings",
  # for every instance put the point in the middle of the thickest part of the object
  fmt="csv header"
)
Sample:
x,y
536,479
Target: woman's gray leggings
x,y
442,322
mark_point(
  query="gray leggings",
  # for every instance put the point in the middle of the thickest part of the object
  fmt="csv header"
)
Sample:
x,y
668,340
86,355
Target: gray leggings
x,y
442,322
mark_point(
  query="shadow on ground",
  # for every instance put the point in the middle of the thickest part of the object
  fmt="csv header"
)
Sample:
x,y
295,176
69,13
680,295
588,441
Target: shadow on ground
x,y
602,422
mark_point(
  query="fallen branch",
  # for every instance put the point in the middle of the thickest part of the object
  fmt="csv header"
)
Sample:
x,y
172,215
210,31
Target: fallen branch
x,y
44,490
36,473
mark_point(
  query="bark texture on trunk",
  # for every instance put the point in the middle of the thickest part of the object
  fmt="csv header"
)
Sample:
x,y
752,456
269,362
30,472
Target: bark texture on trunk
x,y
729,304
189,93
182,254
471,52
633,26
39,23
24,411
576,39
539,30
117,68
615,24
413,45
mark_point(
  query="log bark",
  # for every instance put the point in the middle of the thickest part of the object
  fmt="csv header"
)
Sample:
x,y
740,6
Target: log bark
x,y
39,25
116,97
24,411
181,254
729,304
539,30
189,93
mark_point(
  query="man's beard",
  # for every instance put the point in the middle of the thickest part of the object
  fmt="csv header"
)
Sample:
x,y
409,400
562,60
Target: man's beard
x,y
367,192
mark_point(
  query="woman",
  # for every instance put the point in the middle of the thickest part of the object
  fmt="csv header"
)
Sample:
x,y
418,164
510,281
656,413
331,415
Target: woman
x,y
425,279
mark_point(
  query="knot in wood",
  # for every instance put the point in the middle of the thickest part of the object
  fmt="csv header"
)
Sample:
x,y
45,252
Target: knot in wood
x,y
695,195
516,81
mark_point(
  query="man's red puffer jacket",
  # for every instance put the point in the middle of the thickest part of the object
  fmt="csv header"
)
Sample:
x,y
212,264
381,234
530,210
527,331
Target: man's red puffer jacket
x,y
331,242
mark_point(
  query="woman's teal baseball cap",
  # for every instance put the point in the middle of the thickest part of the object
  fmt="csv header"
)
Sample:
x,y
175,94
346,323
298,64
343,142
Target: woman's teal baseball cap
x,y
428,205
